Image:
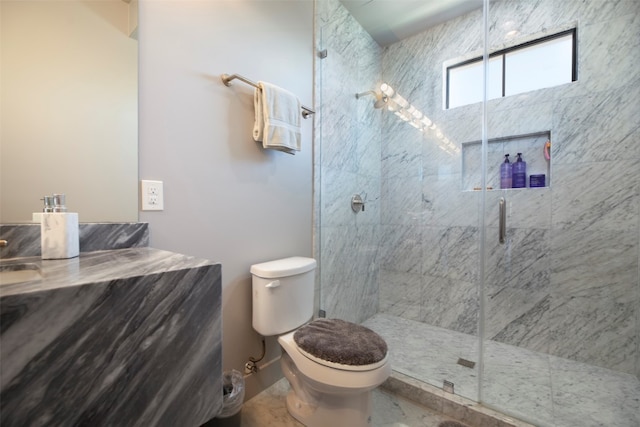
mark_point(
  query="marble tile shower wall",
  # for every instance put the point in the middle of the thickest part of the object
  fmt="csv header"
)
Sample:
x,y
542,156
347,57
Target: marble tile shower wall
x,y
430,251
348,161
566,282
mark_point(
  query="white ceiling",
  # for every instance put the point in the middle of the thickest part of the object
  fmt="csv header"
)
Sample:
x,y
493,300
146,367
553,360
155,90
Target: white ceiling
x,y
389,21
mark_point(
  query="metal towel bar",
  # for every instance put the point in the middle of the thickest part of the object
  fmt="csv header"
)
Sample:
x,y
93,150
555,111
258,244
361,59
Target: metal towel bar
x,y
226,79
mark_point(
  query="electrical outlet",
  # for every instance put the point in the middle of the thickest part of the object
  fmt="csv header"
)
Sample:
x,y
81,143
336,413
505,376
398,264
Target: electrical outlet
x,y
151,195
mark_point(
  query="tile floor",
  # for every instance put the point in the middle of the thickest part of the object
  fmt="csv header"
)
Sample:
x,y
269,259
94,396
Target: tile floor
x,y
544,390
268,410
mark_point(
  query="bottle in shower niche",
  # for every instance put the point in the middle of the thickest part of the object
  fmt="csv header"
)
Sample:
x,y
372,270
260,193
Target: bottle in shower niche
x,y
506,173
519,173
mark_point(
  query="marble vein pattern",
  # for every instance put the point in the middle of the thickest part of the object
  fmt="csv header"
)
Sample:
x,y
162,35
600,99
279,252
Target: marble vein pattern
x,y
594,300
567,282
435,307
24,239
597,196
596,119
459,408
348,134
402,152
517,286
433,357
122,337
535,387
402,201
594,189
401,294
350,291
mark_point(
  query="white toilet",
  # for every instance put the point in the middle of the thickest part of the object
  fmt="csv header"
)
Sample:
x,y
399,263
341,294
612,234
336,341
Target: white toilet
x,y
332,365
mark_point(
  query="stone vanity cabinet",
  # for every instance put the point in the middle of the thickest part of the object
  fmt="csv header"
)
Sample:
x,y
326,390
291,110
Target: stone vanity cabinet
x,y
126,337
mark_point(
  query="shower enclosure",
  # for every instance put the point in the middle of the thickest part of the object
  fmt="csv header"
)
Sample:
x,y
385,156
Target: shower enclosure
x,y
526,299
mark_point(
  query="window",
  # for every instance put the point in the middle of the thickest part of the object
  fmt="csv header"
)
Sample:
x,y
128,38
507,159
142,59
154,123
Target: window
x,y
541,63
465,82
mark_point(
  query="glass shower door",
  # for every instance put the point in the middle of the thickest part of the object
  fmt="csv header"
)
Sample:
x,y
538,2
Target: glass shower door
x,y
561,288
407,264
430,211
347,164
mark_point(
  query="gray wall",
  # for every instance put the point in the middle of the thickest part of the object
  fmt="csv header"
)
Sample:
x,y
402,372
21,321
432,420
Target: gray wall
x,y
566,282
225,198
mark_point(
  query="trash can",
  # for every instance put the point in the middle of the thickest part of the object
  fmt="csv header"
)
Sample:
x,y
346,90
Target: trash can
x,y
232,399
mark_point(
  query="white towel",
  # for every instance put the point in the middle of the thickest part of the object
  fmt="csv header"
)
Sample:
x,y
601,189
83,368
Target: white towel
x,y
277,122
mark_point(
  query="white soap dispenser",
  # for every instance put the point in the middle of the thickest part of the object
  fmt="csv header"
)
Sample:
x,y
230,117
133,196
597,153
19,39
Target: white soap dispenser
x,y
48,207
59,231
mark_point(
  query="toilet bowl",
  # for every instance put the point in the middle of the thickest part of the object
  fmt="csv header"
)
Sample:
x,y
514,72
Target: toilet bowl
x,y
326,393
331,381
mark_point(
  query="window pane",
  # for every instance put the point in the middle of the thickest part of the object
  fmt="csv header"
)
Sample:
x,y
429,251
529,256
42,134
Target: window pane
x,y
494,90
465,82
542,65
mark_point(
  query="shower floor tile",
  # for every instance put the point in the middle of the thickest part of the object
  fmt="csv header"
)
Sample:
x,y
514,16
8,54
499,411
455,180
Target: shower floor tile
x,y
541,389
429,353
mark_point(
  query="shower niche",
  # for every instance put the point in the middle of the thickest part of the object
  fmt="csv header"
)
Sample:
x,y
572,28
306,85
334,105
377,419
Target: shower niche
x,y
532,147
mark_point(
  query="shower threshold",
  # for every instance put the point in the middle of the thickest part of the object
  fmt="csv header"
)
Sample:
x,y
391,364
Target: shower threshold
x,y
455,406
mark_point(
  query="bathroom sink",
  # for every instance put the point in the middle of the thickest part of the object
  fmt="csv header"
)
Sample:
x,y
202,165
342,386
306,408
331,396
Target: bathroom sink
x,y
19,273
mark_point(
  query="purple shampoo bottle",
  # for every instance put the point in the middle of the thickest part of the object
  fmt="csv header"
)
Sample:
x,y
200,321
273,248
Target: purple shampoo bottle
x,y
505,173
519,173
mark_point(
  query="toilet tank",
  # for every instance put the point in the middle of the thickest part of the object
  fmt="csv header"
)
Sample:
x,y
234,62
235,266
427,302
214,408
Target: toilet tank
x,y
282,294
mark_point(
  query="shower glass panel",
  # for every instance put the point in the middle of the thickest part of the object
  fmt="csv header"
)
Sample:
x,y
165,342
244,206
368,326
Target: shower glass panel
x,y
430,223
348,152
407,264
561,294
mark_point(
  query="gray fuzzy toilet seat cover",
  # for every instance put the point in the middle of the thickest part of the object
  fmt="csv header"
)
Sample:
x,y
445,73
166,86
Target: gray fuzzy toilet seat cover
x,y
342,342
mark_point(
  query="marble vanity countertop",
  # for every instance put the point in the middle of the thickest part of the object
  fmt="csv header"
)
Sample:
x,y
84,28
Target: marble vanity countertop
x,y
118,337
99,266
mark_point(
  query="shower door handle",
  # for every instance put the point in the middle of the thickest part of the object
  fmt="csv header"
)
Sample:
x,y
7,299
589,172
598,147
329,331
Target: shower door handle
x,y
502,227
